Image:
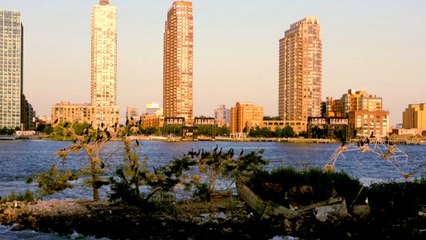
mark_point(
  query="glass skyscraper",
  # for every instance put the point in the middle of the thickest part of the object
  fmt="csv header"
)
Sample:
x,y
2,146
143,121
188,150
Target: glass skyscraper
x,y
11,68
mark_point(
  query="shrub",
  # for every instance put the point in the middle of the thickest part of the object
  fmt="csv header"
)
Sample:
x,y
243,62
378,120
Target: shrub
x,y
396,199
287,185
26,196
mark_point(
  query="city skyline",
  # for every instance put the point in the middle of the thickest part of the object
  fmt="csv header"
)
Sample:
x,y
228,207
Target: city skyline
x,y
368,46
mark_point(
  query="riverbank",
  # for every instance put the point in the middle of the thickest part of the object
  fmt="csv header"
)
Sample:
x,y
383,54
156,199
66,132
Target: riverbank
x,y
224,217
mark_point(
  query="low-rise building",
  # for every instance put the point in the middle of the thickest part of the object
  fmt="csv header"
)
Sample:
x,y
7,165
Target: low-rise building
x,y
152,121
368,123
67,112
272,125
245,116
364,110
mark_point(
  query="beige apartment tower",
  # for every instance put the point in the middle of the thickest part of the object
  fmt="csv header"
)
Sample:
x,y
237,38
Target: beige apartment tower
x,y
414,116
104,64
178,62
300,71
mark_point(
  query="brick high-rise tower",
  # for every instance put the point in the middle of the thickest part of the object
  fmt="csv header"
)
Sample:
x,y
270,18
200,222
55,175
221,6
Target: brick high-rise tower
x,y
300,71
178,62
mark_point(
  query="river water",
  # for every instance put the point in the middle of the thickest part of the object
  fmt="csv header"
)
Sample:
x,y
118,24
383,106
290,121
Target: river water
x,y
21,159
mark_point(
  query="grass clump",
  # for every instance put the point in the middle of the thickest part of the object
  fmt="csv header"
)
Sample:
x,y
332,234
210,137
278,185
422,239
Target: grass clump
x,y
290,187
27,196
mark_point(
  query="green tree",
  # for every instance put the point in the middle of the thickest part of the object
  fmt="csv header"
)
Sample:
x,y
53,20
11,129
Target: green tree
x,y
92,143
223,131
288,131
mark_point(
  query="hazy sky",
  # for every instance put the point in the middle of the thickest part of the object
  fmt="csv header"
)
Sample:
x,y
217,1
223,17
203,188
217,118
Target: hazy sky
x,y
375,45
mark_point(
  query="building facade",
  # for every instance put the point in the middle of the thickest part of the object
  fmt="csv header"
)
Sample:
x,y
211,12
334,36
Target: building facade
x,y
222,116
297,126
104,64
364,110
414,116
352,101
103,109
178,62
11,69
245,116
370,123
153,108
68,112
300,71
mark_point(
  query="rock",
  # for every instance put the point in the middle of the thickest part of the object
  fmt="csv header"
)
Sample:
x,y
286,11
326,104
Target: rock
x,y
9,215
331,213
222,216
422,214
361,211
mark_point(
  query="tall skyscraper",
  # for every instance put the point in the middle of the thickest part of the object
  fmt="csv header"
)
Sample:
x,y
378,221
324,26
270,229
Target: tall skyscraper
x,y
178,62
104,64
11,68
300,71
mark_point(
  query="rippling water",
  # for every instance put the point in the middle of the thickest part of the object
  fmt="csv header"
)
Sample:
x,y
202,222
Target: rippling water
x,y
21,159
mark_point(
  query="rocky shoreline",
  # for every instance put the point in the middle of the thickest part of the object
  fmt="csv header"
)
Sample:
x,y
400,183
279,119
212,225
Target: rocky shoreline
x,y
205,220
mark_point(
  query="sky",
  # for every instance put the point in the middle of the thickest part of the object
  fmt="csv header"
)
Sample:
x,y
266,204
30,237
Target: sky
x,y
375,45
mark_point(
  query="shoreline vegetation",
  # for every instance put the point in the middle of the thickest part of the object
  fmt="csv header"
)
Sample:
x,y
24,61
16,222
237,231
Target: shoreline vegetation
x,y
142,203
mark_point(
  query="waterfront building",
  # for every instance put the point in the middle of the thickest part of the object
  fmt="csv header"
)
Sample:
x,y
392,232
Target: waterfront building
x,y
364,110
222,116
245,116
28,115
152,121
104,64
68,112
297,126
103,109
153,108
414,116
178,62
11,69
352,101
300,71
330,128
370,123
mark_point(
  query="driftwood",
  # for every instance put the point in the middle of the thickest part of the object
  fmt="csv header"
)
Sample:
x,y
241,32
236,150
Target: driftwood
x,y
269,208
264,209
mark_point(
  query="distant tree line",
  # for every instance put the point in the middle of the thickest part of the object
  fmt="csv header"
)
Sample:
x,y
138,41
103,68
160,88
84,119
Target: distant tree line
x,y
285,132
8,131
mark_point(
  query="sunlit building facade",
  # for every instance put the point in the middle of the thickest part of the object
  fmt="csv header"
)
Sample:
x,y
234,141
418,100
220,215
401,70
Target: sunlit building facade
x,y
414,116
104,64
353,100
178,62
69,112
11,69
364,111
245,116
300,71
